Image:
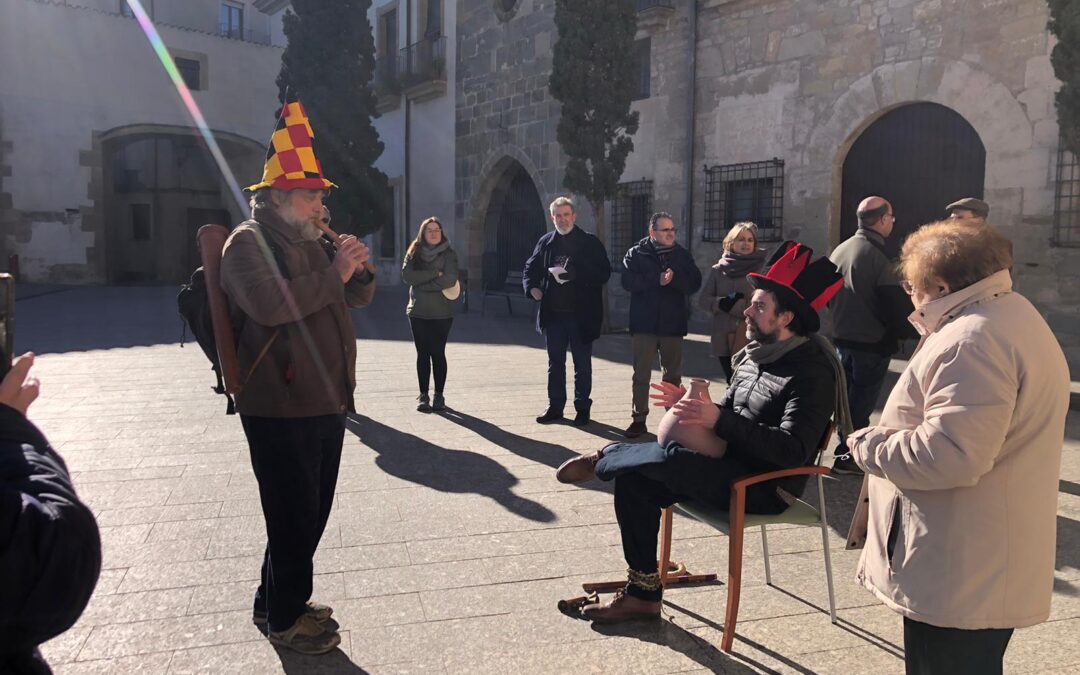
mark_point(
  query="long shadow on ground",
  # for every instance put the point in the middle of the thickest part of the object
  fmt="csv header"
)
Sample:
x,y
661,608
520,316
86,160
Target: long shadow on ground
x,y
419,461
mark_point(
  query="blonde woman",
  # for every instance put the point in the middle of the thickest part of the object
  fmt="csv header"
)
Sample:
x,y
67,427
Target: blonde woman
x,y
430,267
727,291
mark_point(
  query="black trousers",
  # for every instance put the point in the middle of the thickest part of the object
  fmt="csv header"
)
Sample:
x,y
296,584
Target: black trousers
x,y
296,463
649,477
430,336
932,650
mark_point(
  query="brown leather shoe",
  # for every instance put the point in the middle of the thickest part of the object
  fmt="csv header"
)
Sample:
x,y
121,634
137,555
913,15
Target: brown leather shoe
x,y
580,468
622,608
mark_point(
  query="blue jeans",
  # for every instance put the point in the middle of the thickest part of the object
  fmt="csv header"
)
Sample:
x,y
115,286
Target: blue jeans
x,y
865,372
562,332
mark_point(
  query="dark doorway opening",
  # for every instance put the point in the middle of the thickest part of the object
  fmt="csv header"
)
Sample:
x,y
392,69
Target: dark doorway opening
x,y
515,220
920,157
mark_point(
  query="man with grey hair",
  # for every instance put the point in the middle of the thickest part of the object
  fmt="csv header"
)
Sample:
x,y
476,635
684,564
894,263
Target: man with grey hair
x,y
289,290
565,275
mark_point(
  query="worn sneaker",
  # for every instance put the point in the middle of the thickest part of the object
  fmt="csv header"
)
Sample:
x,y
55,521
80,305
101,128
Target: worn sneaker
x,y
438,404
306,636
846,466
552,415
423,403
319,612
636,429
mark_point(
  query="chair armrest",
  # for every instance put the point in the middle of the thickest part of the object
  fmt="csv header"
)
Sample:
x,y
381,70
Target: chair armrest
x,y
744,483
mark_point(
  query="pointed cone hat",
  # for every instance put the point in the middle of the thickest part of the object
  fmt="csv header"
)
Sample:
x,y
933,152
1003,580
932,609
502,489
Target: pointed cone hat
x,y
290,159
803,285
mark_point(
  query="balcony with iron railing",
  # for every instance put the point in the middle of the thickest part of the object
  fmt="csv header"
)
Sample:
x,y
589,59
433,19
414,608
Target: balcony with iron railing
x,y
232,32
421,68
387,83
653,14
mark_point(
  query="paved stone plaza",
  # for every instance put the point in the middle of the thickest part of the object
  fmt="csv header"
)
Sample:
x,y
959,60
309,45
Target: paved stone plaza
x,y
450,542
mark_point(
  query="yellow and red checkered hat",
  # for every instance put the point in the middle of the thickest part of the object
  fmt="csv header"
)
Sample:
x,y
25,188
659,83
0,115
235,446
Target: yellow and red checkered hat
x,y
290,159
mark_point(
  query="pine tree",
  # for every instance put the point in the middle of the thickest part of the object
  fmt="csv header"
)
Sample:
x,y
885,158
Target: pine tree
x,y
328,65
1065,24
593,77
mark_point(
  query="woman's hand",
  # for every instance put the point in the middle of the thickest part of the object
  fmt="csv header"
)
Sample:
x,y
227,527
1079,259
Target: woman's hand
x,y
669,394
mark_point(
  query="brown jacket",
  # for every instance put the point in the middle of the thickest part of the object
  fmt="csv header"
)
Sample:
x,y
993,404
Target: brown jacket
x,y
963,467
310,368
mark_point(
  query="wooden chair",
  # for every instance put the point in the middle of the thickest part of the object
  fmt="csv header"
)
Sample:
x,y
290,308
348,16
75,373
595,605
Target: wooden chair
x,y
733,522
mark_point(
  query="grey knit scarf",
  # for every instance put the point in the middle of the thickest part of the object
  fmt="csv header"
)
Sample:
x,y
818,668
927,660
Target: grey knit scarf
x,y
762,354
429,253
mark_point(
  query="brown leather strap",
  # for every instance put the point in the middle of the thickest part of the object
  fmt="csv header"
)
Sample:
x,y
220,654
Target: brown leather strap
x,y
259,358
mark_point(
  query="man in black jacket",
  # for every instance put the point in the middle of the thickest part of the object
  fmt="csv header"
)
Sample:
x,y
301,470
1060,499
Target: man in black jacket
x,y
566,274
661,276
50,550
773,417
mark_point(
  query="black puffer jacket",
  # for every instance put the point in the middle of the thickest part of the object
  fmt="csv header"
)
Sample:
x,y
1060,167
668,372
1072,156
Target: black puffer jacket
x,y
50,550
773,416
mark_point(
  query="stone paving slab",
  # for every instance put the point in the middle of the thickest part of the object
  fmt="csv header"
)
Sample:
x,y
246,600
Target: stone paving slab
x,y
450,541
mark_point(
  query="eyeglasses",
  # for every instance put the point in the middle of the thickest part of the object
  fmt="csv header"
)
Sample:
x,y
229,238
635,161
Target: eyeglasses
x,y
908,288
325,221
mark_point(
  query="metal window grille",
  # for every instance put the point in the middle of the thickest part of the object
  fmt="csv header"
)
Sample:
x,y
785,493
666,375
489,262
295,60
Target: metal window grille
x,y
642,68
751,191
1067,200
189,72
630,211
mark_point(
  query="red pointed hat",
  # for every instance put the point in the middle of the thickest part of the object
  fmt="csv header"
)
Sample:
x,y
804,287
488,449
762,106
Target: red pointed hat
x,y
800,284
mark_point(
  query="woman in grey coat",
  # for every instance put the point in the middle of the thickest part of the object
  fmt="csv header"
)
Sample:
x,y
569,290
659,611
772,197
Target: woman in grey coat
x,y
430,268
726,292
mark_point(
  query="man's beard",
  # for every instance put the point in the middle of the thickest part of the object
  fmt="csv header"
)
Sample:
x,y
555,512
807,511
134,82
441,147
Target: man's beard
x,y
565,230
759,336
308,230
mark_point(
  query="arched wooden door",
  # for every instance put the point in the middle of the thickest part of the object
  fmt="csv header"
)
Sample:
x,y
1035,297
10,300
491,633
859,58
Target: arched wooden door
x,y
920,157
515,220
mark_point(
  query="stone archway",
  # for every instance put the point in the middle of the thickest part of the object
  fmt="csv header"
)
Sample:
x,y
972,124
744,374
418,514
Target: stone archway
x,y
486,205
983,101
158,186
920,156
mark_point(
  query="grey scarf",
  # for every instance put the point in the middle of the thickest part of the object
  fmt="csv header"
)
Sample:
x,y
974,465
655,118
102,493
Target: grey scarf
x,y
768,353
429,253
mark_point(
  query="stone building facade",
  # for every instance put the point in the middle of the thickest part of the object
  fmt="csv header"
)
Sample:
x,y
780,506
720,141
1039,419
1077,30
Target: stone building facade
x,y
800,109
103,178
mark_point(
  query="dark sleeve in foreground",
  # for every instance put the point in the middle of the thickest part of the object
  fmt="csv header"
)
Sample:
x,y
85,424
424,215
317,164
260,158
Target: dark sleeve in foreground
x,y
50,549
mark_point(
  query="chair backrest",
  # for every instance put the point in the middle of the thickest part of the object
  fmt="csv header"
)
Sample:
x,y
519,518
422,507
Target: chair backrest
x,y
823,445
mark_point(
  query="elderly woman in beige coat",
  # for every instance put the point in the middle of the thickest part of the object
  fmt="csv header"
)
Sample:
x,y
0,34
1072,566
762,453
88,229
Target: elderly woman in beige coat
x,y
962,469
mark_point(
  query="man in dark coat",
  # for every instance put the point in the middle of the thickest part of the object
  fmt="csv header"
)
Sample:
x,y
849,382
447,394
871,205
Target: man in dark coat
x,y
566,274
661,276
50,549
775,412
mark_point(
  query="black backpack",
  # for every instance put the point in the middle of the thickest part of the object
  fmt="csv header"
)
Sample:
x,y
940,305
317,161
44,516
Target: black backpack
x,y
194,306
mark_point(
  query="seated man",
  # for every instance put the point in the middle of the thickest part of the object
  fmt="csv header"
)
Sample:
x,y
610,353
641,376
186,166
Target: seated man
x,y
782,394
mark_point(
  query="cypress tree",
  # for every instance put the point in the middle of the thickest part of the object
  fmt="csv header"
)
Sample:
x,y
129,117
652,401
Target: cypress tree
x,y
593,77
328,64
1065,24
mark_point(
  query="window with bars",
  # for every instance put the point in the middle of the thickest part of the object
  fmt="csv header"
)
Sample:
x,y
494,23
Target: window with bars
x,y
642,69
190,72
1067,199
232,21
751,191
630,212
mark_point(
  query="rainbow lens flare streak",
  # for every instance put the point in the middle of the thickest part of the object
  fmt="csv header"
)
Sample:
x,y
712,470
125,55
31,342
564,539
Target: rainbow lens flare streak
x,y
162,52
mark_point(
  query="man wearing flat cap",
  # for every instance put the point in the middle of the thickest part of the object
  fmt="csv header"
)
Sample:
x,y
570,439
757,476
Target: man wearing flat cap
x,y
968,208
